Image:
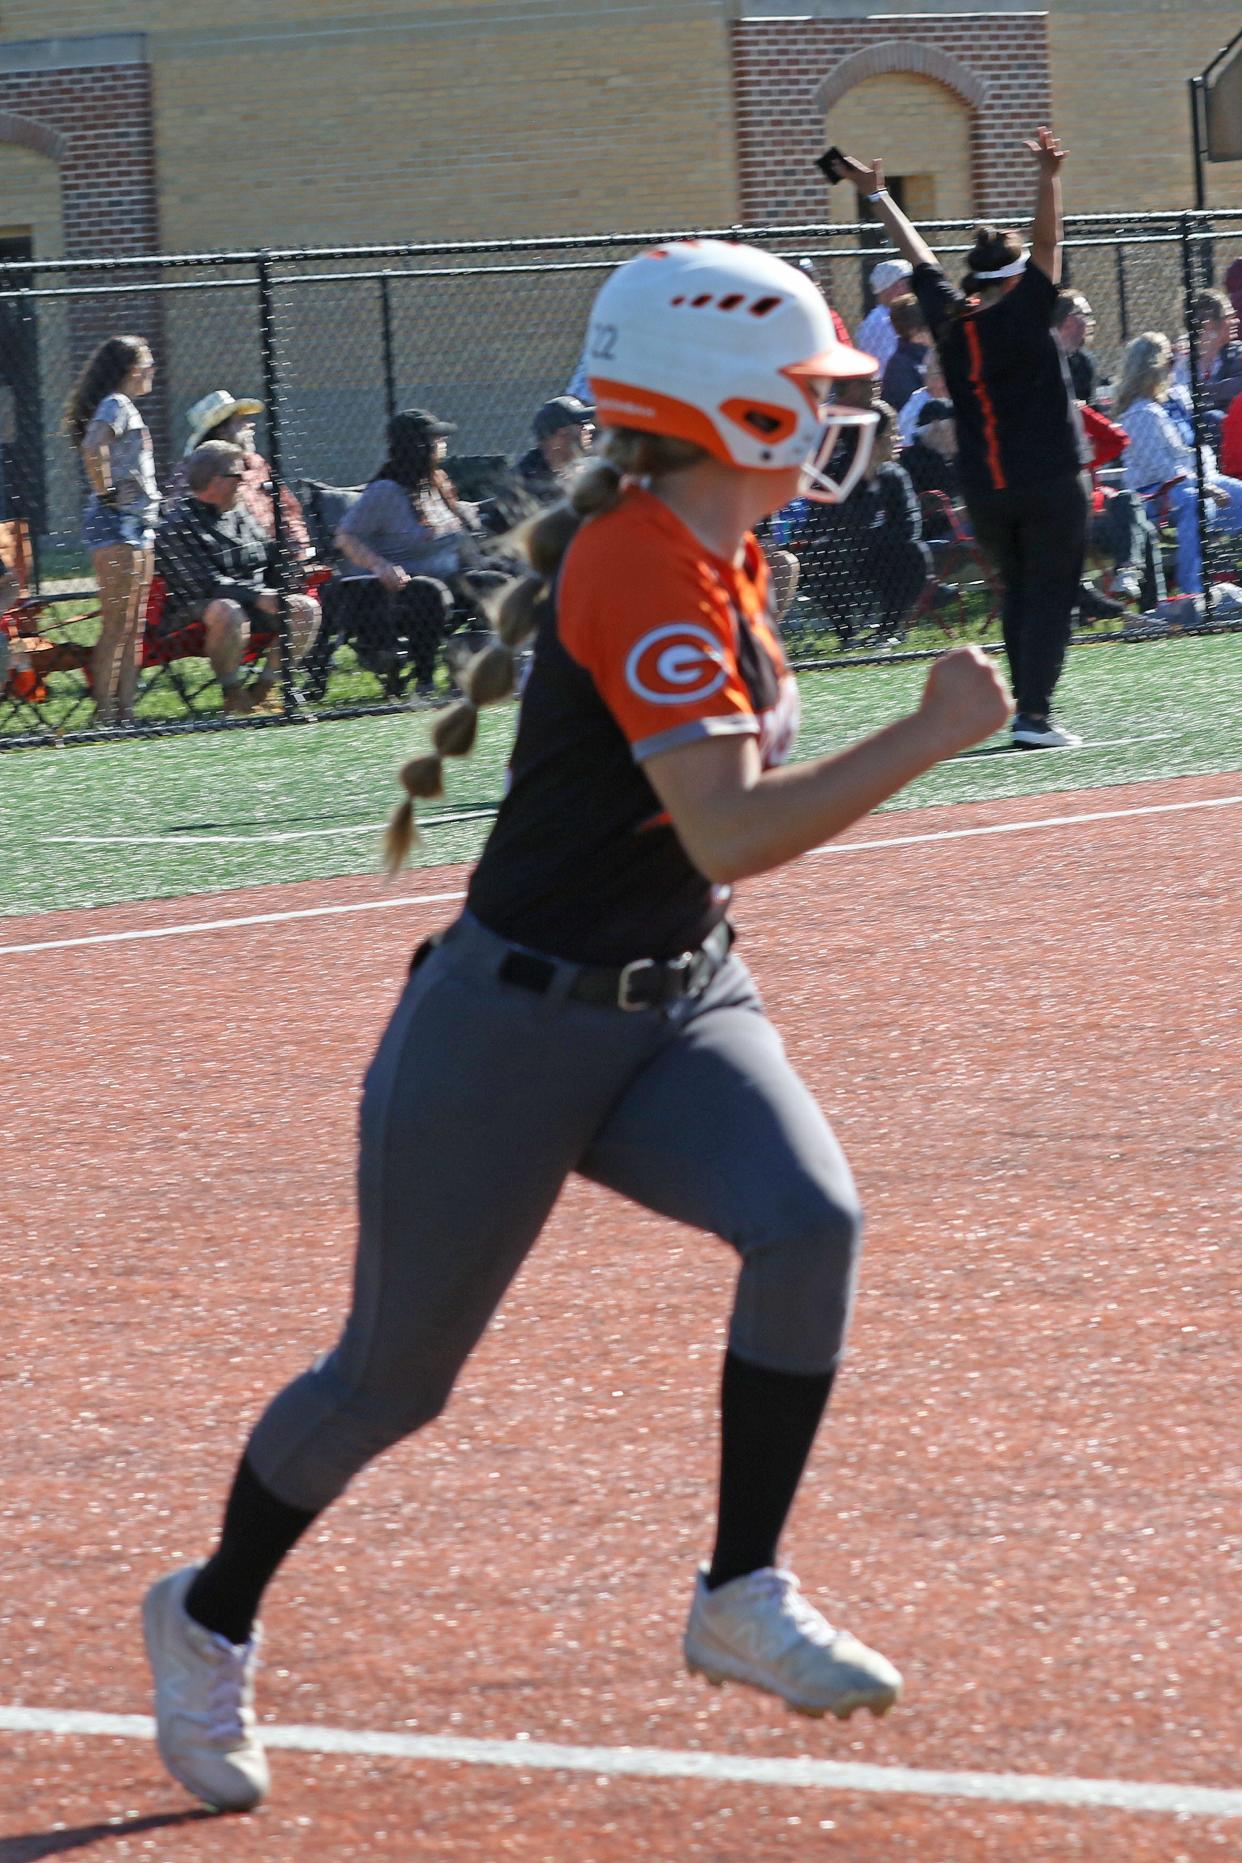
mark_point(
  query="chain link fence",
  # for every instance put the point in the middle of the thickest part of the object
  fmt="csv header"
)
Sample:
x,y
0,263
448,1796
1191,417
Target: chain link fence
x,y
332,343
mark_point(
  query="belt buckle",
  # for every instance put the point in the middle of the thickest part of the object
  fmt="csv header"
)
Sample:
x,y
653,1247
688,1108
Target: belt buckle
x,y
672,967
638,967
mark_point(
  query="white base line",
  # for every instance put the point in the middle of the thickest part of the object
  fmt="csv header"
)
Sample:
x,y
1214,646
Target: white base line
x,y
431,899
1047,821
1012,1788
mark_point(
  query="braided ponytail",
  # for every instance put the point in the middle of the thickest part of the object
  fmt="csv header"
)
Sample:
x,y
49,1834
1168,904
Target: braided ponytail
x,y
492,674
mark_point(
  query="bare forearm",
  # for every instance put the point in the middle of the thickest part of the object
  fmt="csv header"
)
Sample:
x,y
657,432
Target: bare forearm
x,y
360,554
905,236
788,811
1046,228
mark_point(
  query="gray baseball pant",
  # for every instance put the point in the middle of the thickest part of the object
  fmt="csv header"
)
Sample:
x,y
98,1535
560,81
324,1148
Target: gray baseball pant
x,y
481,1099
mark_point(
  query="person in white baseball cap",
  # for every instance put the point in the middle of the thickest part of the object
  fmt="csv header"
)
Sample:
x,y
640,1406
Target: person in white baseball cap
x,y
586,1014
890,279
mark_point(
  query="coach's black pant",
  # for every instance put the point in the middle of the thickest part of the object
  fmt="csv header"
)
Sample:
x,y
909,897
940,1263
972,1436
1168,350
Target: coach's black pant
x,y
1037,539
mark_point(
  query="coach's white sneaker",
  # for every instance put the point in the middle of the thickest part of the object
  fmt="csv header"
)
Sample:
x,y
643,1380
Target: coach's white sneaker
x,y
760,1629
1041,734
204,1701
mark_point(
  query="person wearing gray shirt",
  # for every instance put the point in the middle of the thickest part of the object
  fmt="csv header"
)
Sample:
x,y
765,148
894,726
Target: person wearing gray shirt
x,y
118,526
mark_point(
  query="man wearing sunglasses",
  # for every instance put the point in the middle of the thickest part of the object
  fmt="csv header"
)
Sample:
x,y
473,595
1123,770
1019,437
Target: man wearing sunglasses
x,y
218,566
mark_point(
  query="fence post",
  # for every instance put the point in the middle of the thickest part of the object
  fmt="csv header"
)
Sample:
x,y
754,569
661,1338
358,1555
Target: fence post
x,y
390,386
1123,298
1189,288
271,394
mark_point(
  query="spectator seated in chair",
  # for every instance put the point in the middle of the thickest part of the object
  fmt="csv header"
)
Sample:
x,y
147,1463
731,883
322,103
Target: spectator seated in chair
x,y
410,564
875,335
221,416
931,462
864,563
1220,353
562,430
1121,531
1073,322
218,567
932,388
1160,465
903,372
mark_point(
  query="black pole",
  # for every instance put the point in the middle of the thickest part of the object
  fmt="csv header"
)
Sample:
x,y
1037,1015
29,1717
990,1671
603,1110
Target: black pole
x,y
390,385
275,448
1198,141
31,474
1196,411
1123,296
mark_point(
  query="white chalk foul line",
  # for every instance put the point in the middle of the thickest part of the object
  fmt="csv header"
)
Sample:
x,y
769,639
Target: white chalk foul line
x,y
1067,750
425,899
188,839
1012,1788
251,918
1024,827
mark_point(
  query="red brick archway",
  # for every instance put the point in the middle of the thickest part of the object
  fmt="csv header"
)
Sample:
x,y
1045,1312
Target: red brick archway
x,y
788,72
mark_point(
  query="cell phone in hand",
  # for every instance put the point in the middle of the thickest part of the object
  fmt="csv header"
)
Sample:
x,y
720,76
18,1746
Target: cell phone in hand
x,y
824,164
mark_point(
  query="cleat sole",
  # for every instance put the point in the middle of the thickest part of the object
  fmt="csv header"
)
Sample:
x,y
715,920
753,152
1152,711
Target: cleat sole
x,y
842,1711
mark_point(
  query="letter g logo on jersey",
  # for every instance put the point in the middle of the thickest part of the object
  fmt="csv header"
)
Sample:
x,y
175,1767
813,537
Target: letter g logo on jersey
x,y
676,664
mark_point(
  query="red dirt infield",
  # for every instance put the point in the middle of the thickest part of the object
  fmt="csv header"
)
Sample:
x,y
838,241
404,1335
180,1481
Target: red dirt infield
x,y
1028,1491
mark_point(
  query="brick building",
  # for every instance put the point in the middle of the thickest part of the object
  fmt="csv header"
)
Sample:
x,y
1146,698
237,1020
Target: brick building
x,y
352,121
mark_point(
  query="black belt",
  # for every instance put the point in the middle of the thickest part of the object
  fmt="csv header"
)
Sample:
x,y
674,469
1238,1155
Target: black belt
x,y
646,983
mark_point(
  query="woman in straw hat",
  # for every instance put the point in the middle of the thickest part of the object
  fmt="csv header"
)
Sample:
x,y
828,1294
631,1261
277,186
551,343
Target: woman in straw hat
x,y
222,416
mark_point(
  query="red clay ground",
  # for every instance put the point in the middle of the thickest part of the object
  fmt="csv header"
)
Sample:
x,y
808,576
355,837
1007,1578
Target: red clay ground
x,y
1028,1494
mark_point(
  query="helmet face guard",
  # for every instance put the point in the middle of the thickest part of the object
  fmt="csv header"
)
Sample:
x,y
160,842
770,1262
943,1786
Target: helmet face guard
x,y
819,484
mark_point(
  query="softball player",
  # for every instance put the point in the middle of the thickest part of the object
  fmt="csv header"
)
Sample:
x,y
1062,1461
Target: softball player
x,y
585,1013
1022,452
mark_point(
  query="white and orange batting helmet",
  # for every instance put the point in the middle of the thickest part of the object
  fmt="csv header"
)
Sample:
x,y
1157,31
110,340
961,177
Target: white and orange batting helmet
x,y
722,345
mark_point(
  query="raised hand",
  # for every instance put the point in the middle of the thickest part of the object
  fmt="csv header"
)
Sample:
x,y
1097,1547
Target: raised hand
x,y
867,178
966,698
1047,150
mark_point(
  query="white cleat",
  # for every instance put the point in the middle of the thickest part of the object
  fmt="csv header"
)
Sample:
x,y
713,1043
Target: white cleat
x,y
204,1701
762,1631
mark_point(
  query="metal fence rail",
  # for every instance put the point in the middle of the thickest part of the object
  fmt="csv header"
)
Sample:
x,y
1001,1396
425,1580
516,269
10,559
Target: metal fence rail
x,y
332,341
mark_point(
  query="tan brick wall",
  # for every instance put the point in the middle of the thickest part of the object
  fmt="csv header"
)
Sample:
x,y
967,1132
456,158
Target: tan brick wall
x,y
1119,75
301,122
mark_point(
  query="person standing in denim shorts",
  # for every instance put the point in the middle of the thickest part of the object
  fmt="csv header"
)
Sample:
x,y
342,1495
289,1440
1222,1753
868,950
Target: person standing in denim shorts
x,y
118,526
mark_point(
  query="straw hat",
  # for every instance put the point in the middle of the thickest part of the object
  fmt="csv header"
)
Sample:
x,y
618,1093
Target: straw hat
x,y
208,413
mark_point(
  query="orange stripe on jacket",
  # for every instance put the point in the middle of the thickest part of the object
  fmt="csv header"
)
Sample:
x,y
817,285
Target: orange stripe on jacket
x,y
985,402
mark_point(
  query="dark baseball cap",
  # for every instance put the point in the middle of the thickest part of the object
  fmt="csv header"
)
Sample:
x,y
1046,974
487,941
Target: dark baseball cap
x,y
561,411
411,421
932,411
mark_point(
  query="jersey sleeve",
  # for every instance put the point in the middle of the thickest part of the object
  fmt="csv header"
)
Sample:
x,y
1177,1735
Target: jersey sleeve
x,y
1038,293
659,640
939,300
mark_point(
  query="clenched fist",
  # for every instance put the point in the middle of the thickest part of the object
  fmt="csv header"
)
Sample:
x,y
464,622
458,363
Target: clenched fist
x,y
966,698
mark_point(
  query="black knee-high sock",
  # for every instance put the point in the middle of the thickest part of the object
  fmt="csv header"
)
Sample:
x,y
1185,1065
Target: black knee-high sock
x,y
768,1421
257,1534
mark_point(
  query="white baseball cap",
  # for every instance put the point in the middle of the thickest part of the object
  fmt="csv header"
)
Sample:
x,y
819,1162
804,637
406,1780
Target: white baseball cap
x,y
890,272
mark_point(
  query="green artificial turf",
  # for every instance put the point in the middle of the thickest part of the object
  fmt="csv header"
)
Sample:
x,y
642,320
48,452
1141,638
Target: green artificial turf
x,y
304,802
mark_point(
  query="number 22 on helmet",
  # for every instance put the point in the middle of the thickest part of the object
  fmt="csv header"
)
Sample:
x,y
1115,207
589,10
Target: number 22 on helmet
x,y
728,346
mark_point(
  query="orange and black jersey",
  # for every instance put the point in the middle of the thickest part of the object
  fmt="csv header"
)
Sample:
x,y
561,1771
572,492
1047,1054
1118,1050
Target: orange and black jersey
x,y
652,642
1017,422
